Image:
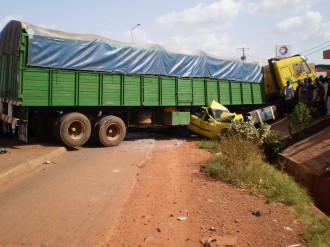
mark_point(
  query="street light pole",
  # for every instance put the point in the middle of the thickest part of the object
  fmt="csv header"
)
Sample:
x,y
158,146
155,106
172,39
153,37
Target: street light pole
x,y
132,31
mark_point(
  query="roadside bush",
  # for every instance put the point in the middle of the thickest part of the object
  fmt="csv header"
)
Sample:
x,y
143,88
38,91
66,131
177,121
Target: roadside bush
x,y
269,140
241,161
272,145
237,161
300,119
246,129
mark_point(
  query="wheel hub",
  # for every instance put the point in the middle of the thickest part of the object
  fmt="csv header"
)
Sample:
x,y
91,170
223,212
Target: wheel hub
x,y
113,131
76,129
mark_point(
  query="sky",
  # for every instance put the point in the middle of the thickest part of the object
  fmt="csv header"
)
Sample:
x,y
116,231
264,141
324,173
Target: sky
x,y
220,28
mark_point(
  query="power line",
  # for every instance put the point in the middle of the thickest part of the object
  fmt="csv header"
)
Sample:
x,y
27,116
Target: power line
x,y
258,58
256,61
248,58
316,47
317,50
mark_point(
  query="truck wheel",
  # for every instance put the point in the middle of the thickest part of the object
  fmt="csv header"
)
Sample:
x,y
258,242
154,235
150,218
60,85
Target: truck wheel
x,y
74,129
184,131
94,137
109,131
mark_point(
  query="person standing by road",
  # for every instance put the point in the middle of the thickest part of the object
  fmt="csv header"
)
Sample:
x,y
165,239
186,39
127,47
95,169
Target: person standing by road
x,y
321,104
304,91
327,93
288,93
310,92
298,93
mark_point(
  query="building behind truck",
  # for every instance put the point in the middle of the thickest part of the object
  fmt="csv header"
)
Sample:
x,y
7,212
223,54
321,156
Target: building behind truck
x,y
76,87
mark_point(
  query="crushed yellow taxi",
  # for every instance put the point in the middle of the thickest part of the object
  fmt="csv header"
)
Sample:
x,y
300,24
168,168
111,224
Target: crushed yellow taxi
x,y
210,120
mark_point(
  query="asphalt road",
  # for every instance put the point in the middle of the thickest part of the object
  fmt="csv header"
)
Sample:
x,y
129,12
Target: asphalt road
x,y
74,200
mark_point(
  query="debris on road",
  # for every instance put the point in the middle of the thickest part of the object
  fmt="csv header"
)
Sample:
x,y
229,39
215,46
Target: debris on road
x,y
203,169
182,218
3,151
207,241
256,213
226,240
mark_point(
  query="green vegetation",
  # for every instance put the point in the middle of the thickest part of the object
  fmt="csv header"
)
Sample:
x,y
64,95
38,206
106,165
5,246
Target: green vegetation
x,y
240,158
300,119
242,162
269,140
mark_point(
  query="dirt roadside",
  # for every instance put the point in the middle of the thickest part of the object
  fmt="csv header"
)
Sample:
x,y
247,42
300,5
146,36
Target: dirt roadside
x,y
18,152
175,204
170,185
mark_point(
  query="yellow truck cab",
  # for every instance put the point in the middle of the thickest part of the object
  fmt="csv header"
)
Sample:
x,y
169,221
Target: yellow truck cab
x,y
279,71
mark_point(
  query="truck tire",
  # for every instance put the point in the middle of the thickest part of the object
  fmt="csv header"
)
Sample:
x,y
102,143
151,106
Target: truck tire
x,y
74,129
109,131
185,132
94,137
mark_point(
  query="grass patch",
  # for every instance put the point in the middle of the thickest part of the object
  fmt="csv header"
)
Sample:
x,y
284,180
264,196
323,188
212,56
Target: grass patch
x,y
318,228
209,144
242,162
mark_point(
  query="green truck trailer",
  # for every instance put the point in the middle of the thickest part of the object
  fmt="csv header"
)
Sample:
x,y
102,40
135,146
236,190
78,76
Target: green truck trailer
x,y
74,87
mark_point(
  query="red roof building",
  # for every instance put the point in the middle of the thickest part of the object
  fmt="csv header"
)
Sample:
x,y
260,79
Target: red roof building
x,y
326,54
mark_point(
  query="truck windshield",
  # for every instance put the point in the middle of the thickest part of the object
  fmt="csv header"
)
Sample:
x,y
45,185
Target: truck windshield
x,y
199,112
306,68
217,113
301,68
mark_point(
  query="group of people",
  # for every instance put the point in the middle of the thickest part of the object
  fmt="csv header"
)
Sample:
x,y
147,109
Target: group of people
x,y
313,94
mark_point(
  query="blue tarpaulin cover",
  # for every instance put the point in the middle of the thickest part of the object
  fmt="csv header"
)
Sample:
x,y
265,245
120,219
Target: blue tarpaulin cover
x,y
60,50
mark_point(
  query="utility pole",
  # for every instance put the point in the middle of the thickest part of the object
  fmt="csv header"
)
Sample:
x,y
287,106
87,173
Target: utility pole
x,y
243,58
